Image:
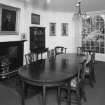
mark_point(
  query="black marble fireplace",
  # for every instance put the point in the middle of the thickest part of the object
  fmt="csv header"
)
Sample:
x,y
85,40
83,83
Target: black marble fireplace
x,y
11,57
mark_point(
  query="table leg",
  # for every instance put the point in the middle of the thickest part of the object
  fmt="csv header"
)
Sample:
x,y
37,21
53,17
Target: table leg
x,y
41,55
47,55
69,94
22,94
44,96
58,96
37,56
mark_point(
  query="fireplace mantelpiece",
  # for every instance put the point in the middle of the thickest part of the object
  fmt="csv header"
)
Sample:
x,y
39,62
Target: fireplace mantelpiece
x,y
11,52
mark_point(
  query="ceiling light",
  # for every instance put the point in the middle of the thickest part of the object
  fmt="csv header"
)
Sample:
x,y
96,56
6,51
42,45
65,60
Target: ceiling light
x,y
48,1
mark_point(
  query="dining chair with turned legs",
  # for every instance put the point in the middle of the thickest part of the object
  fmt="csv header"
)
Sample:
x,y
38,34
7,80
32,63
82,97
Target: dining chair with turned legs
x,y
73,91
51,54
81,51
89,71
93,66
89,74
60,50
63,93
30,57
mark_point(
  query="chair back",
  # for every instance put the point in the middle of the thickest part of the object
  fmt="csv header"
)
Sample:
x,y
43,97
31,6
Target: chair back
x,y
88,68
93,57
81,74
51,54
60,50
91,60
80,50
30,57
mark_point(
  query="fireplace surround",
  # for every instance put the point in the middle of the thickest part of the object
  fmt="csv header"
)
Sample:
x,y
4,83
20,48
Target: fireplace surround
x,y
11,57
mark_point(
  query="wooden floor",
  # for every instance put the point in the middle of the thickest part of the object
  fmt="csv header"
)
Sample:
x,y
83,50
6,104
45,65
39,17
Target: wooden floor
x,y
10,91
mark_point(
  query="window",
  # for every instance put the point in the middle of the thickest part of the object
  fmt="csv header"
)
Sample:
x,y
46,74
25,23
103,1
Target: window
x,y
93,33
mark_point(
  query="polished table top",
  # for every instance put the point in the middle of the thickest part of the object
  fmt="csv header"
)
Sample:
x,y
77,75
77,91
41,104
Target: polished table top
x,y
46,72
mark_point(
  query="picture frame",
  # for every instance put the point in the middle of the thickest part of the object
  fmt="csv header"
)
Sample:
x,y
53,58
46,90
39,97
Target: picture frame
x,y
9,18
64,29
35,19
52,29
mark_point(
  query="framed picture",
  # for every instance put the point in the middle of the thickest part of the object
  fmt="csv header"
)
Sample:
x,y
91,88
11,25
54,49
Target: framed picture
x,y
64,29
35,19
52,29
9,20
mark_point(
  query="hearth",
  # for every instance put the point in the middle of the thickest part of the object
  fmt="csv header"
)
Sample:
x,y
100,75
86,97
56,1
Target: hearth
x,y
11,57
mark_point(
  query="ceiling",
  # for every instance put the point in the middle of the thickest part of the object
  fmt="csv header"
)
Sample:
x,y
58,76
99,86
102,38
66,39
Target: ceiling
x,y
67,5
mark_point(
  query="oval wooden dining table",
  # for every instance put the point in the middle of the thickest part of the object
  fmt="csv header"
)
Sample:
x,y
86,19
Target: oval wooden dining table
x,y
50,73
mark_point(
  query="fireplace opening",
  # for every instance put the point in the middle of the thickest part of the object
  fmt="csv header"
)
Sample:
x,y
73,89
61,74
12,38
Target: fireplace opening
x,y
11,57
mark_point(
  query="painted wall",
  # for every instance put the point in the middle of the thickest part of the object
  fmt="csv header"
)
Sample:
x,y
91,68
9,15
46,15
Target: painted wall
x,y
21,20
45,17
58,18
59,40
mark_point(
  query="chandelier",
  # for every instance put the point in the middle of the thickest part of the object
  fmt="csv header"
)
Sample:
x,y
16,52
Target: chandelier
x,y
80,10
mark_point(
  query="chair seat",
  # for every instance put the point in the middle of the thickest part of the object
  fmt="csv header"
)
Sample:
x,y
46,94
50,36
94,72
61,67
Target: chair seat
x,y
59,50
76,86
87,71
51,54
74,83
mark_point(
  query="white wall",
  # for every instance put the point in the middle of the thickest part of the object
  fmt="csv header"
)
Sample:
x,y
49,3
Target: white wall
x,y
58,18
21,20
22,23
28,11
71,41
45,19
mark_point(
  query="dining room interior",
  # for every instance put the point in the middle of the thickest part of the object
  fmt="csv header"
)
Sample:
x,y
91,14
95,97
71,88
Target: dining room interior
x,y
52,52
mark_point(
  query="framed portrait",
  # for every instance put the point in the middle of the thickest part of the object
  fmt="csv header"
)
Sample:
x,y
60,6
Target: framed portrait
x,y
52,29
64,29
35,19
9,20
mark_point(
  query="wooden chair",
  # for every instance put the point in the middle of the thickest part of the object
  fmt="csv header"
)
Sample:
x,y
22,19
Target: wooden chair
x,y
75,85
93,64
93,57
80,50
51,54
89,73
30,57
60,50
